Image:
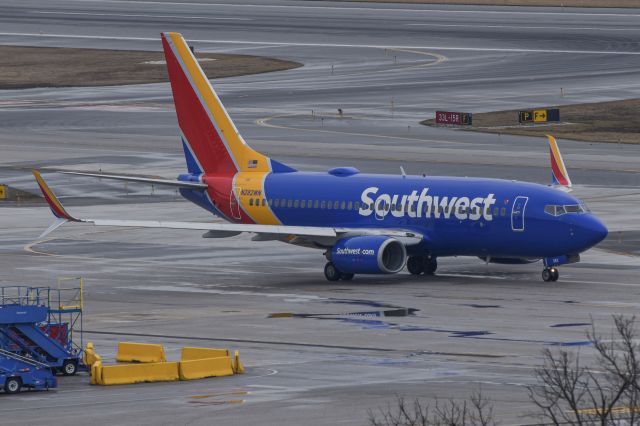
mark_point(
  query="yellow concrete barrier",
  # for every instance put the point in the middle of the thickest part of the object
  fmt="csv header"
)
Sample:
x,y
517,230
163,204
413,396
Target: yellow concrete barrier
x,y
190,353
238,368
207,367
138,373
96,373
140,352
3,192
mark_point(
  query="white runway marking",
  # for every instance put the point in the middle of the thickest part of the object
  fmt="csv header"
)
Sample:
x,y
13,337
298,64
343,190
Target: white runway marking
x,y
369,9
524,27
142,15
369,46
290,297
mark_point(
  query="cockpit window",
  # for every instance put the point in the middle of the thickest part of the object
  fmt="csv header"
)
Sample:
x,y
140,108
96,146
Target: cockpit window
x,y
555,210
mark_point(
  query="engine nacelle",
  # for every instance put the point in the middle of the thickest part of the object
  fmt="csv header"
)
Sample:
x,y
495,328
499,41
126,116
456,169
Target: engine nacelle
x,y
373,254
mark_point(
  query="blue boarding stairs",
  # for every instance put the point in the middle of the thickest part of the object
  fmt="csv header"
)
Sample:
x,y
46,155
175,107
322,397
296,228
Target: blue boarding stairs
x,y
36,325
18,372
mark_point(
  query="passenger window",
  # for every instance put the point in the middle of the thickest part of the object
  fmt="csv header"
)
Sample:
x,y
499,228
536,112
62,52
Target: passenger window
x,y
343,205
289,203
283,202
270,201
336,204
350,205
309,203
323,204
393,207
296,203
329,205
503,211
250,201
356,205
315,204
495,211
276,202
303,204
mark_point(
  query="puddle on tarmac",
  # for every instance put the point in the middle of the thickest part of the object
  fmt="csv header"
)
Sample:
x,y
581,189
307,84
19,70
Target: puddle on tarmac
x,y
400,312
578,343
361,302
571,324
367,320
475,305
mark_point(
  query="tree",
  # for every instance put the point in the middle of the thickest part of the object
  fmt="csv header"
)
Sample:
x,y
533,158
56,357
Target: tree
x,y
608,392
477,411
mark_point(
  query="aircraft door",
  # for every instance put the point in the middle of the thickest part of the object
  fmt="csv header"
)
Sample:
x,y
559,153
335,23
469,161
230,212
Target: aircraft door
x,y
234,205
517,213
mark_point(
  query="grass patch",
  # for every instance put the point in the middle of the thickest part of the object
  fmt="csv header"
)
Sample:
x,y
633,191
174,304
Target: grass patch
x,y
613,122
27,67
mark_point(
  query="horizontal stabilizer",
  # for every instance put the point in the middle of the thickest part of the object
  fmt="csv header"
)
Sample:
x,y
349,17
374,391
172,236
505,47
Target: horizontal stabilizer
x,y
169,182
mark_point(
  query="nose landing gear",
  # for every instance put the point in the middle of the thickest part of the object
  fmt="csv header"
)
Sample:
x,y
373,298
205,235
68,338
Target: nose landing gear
x,y
550,274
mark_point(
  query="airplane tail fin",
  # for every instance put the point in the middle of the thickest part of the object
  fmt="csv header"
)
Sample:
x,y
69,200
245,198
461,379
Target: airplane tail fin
x,y
211,142
559,174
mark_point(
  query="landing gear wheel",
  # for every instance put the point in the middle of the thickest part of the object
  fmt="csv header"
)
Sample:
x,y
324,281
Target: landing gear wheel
x,y
430,265
12,385
69,367
415,265
550,274
331,272
346,277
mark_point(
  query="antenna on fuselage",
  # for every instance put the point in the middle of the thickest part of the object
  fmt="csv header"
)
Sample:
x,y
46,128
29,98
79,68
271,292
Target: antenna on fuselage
x,y
404,175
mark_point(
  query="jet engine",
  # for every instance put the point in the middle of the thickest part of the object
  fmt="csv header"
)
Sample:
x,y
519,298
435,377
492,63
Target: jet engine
x,y
371,254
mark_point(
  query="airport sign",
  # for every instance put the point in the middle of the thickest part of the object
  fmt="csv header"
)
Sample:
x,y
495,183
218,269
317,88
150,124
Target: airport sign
x,y
454,118
539,115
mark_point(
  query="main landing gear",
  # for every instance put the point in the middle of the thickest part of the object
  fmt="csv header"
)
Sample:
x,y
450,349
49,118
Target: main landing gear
x,y
550,274
333,274
417,265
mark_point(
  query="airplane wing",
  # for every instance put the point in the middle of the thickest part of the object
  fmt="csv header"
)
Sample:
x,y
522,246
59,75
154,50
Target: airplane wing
x,y
559,175
182,184
305,235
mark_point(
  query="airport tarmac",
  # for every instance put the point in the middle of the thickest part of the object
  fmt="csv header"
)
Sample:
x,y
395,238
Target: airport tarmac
x,y
347,347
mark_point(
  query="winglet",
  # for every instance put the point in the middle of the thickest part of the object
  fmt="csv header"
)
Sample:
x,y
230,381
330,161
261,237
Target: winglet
x,y
49,196
559,174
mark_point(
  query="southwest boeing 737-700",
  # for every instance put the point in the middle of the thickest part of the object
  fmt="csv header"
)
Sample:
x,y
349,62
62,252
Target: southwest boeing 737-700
x,y
365,223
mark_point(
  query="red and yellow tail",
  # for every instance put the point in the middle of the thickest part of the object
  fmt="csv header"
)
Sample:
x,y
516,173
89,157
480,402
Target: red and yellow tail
x,y
559,174
209,135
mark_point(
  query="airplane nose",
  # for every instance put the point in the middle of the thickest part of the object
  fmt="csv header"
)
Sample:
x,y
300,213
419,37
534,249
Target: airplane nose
x,y
594,230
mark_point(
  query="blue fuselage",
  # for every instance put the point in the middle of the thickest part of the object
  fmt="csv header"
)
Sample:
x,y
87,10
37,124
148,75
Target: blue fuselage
x,y
509,219
457,216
